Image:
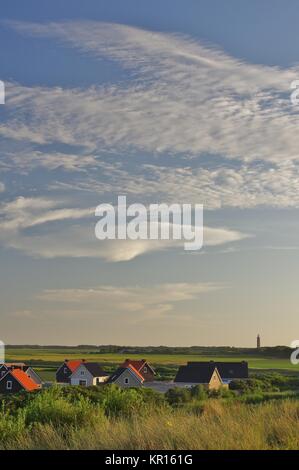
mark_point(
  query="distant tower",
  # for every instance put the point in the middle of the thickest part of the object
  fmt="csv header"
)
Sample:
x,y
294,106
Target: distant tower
x,y
258,341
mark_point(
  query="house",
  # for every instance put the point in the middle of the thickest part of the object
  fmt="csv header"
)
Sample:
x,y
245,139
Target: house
x,y
204,373
126,377
3,370
5,367
16,380
32,374
228,370
143,367
65,371
88,374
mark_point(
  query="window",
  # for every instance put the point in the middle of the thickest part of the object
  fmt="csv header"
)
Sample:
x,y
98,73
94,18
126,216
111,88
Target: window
x,y
3,373
65,370
82,372
82,383
9,385
126,381
145,370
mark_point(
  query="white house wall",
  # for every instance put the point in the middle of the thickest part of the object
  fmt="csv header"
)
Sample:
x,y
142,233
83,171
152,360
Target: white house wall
x,y
81,373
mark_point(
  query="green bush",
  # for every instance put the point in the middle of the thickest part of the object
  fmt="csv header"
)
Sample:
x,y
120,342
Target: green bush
x,y
119,402
252,385
221,392
178,396
50,406
198,392
254,398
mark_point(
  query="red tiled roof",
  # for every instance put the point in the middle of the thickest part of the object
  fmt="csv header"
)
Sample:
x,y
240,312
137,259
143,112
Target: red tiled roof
x,y
24,379
135,371
72,365
136,364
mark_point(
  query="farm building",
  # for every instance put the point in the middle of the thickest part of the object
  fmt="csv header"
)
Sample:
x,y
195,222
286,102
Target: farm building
x,y
16,380
143,367
126,377
205,374
88,374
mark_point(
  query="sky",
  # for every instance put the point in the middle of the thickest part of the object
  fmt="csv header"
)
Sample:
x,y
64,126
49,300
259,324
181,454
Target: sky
x,y
181,101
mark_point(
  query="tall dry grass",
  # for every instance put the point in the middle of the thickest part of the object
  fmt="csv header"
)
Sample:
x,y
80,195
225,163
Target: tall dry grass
x,y
271,425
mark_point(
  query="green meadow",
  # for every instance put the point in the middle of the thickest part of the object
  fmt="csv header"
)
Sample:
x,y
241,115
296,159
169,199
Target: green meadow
x,y
46,360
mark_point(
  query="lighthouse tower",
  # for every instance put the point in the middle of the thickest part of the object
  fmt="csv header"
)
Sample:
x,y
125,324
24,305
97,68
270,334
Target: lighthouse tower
x,y
258,341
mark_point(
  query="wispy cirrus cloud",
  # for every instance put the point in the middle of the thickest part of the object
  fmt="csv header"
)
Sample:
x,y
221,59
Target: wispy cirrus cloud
x,y
185,99
151,301
23,213
245,185
246,107
46,228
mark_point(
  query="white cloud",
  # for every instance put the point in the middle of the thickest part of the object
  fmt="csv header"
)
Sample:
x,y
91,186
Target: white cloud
x,y
152,301
244,186
187,99
77,238
23,213
2,187
192,99
27,160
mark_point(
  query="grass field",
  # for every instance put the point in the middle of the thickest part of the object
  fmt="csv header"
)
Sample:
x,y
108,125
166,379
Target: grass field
x,y
110,418
259,413
47,360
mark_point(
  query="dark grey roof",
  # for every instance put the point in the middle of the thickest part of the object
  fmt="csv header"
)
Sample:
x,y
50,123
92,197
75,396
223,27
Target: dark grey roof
x,y
26,368
201,374
227,370
95,369
116,374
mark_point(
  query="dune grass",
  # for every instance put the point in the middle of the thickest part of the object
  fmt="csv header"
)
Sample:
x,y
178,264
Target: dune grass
x,y
54,422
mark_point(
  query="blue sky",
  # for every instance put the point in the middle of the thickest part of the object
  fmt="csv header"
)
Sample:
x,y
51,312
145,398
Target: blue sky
x,y
173,101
